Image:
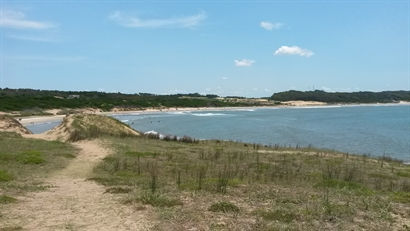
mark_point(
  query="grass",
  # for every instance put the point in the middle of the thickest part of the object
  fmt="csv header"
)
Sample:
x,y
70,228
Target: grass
x,y
12,228
225,207
275,187
158,200
24,162
89,126
277,215
4,199
4,176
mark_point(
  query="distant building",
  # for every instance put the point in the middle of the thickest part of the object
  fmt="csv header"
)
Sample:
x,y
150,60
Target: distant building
x,y
73,97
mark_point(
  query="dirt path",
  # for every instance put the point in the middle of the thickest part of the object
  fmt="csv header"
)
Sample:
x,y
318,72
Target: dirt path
x,y
75,203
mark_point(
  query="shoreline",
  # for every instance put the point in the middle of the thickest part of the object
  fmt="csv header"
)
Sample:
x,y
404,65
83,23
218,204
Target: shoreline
x,y
52,118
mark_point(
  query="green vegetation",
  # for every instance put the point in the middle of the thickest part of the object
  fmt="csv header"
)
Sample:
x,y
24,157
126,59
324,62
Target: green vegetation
x,y
4,199
156,200
198,184
24,162
343,97
13,228
32,102
225,207
277,215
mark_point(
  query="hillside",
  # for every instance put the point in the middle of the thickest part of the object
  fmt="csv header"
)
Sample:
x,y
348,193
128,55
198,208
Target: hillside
x,y
343,97
29,99
87,126
8,124
124,179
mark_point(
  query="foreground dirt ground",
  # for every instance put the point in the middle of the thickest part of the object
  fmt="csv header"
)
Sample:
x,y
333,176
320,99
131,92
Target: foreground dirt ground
x,y
74,203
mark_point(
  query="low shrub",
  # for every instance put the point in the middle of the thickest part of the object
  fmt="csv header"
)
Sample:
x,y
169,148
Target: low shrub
x,y
159,200
225,207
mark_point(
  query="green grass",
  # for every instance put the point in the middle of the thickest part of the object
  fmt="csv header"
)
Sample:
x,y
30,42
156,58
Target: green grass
x,y
4,176
345,185
401,197
289,187
30,157
4,199
25,162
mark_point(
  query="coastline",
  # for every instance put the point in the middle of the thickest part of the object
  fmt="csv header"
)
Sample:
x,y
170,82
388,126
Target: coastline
x,y
52,118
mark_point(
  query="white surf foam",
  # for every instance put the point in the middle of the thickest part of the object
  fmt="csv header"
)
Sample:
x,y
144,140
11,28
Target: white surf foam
x,y
208,114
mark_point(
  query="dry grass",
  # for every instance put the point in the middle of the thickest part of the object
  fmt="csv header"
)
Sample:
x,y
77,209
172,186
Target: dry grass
x,y
273,189
9,124
89,126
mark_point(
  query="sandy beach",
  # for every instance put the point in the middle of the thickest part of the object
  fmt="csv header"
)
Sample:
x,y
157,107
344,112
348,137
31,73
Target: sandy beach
x,y
118,111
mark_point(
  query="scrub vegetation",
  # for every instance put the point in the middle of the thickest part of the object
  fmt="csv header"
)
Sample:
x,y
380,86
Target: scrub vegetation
x,y
33,102
237,186
343,97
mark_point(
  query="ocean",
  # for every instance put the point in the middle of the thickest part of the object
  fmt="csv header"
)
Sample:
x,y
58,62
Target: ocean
x,y
369,129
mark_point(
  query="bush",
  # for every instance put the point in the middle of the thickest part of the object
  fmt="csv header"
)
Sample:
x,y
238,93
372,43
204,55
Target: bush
x,y
225,207
158,200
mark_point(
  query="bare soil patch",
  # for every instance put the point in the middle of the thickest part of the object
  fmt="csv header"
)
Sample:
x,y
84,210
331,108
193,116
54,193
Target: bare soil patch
x,y
75,203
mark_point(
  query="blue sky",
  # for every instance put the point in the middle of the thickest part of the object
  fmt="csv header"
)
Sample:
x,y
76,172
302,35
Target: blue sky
x,y
247,48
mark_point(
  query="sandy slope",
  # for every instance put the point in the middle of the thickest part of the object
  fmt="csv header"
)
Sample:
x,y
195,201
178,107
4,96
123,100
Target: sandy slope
x,y
74,203
9,124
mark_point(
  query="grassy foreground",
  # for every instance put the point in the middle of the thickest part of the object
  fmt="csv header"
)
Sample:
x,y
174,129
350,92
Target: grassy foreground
x,y
213,185
25,162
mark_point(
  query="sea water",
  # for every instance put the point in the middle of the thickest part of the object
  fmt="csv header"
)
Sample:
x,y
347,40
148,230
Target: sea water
x,y
371,130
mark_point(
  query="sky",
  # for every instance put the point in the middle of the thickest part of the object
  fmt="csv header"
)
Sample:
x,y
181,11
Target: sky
x,y
242,48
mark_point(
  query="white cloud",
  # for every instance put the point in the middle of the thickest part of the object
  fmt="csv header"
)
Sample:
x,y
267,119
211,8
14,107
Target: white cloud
x,y
136,22
224,78
271,26
31,38
244,62
293,50
17,20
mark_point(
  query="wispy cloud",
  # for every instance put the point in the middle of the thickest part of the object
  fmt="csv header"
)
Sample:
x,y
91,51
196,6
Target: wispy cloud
x,y
41,58
244,62
224,78
176,22
31,38
293,50
17,20
271,25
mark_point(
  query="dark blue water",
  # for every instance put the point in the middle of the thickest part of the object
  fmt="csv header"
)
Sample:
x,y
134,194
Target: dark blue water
x,y
373,130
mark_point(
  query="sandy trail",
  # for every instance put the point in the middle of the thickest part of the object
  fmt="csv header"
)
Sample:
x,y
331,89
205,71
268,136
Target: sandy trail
x,y
75,203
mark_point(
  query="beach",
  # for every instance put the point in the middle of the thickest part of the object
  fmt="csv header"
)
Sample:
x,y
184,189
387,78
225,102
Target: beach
x,y
121,111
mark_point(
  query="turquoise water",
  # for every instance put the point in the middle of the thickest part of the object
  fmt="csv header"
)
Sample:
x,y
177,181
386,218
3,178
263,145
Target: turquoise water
x,y
373,130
